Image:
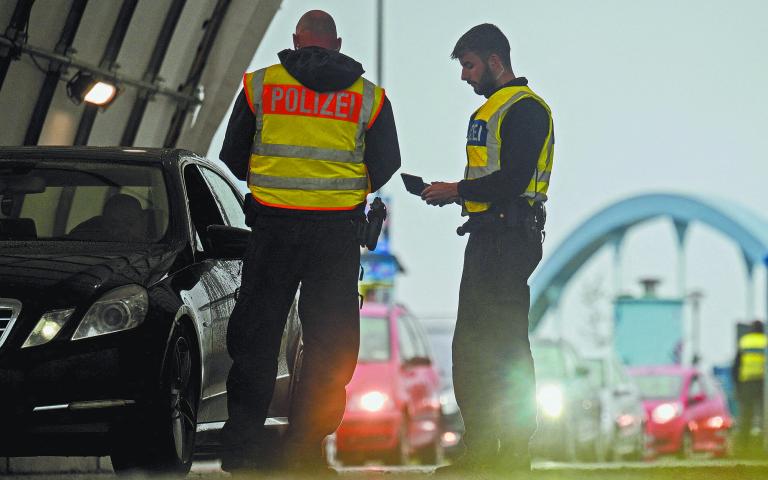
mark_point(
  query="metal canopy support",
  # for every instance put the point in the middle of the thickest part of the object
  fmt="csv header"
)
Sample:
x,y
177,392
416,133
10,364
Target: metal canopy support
x,y
749,306
379,42
681,228
108,63
196,71
617,243
15,32
152,71
55,69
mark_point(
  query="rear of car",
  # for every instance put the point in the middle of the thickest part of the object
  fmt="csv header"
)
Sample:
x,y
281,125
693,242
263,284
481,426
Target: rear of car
x,y
392,410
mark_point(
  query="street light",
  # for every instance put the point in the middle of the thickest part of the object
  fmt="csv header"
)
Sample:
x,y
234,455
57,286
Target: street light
x,y
695,297
86,87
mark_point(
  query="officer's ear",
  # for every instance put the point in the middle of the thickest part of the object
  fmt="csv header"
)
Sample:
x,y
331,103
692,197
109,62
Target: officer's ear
x,y
338,44
296,43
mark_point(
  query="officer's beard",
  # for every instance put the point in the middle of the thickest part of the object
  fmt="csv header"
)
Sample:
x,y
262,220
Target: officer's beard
x,y
487,84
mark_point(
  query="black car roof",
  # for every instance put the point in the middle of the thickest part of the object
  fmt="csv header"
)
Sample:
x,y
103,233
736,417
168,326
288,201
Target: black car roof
x,y
131,154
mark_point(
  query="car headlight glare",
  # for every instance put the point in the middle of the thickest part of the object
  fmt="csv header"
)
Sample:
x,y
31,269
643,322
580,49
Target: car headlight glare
x,y
48,327
550,398
374,401
665,412
120,309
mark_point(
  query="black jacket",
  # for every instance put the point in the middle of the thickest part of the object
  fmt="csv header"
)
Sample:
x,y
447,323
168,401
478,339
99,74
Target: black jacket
x,y
523,132
323,71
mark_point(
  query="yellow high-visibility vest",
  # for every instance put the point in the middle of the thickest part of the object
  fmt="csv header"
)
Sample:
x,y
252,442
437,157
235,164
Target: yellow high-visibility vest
x,y
484,145
307,152
752,355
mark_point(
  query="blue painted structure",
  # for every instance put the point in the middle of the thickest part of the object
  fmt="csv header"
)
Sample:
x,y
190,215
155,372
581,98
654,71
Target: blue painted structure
x,y
745,228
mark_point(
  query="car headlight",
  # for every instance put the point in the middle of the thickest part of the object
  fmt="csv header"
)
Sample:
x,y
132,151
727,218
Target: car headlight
x,y
120,309
666,411
373,401
550,398
48,327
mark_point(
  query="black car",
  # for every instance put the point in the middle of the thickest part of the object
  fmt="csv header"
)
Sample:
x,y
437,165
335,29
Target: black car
x,y
118,272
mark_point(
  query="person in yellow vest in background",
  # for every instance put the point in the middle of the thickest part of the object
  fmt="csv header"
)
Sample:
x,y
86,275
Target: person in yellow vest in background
x,y
509,152
312,137
749,378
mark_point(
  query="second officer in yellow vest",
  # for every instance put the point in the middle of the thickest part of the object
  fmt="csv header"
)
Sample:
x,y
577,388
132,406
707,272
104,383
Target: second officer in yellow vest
x,y
509,150
312,137
749,377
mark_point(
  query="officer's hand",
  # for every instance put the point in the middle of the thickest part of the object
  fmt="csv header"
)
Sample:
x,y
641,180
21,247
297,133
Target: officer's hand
x,y
441,193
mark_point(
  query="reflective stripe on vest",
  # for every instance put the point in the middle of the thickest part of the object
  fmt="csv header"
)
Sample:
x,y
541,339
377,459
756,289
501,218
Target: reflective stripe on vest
x,y
752,354
484,146
308,150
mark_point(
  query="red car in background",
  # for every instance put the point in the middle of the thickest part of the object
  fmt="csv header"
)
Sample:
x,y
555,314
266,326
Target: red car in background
x,y
393,400
686,410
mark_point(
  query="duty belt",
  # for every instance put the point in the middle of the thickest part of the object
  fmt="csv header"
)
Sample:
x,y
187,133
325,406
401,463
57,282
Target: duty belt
x,y
530,218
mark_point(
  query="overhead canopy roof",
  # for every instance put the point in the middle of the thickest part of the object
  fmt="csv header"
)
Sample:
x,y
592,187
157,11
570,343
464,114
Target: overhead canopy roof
x,y
167,55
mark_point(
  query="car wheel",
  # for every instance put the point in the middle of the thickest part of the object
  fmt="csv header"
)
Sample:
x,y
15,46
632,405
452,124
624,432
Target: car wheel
x,y
686,447
432,454
165,444
400,455
568,449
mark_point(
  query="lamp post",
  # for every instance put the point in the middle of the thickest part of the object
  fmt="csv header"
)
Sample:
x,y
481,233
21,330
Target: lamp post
x,y
695,297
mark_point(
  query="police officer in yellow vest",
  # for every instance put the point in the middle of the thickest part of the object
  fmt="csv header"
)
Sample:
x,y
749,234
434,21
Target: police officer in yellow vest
x,y
509,150
312,137
748,376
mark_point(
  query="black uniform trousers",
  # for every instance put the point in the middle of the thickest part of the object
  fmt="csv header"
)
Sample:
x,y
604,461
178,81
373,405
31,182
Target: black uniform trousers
x,y
749,397
283,252
493,372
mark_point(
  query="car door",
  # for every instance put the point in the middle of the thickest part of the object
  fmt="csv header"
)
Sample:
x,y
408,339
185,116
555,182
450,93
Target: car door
x,y
423,388
230,203
700,404
219,280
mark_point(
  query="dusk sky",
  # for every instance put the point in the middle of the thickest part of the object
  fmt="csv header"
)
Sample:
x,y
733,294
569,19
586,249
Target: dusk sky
x,y
652,96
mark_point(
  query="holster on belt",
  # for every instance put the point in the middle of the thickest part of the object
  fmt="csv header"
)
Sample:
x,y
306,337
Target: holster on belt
x,y
249,210
518,214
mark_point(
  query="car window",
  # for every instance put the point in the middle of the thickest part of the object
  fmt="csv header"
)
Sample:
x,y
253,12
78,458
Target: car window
x,y
548,361
659,387
420,346
72,200
203,209
696,387
229,201
374,340
407,346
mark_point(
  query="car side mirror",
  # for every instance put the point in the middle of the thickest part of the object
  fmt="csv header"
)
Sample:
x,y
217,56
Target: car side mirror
x,y
622,391
698,398
226,243
417,362
582,371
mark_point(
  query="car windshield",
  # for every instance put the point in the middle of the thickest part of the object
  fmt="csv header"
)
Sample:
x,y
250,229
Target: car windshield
x,y
441,350
81,200
548,361
374,340
659,387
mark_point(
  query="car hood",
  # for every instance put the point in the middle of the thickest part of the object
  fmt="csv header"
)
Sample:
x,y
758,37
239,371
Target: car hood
x,y
372,376
60,274
649,405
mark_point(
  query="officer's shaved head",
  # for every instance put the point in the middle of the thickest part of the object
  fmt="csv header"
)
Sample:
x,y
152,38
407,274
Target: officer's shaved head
x,y
316,28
